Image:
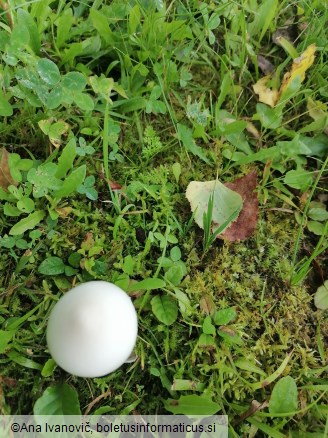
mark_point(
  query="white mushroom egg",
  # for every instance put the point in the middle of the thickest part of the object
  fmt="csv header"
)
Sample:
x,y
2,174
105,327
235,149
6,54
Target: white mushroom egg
x,y
92,329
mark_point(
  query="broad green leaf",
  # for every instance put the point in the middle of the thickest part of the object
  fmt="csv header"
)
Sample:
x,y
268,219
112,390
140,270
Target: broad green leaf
x,y
26,205
6,109
284,396
48,368
299,179
175,253
175,274
224,316
192,405
11,210
5,338
225,201
61,399
262,155
262,19
134,19
208,327
66,160
83,101
20,37
316,227
64,23
43,178
165,309
24,164
270,118
55,97
74,259
27,223
100,22
185,135
318,214
147,284
74,81
48,71
25,19
23,360
52,266
321,296
72,182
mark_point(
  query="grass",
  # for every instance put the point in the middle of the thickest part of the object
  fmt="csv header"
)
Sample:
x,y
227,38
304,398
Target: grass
x,y
129,102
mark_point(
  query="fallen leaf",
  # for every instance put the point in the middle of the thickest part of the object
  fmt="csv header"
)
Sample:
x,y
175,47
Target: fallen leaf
x,y
207,305
266,95
254,407
299,67
114,185
64,211
225,201
5,176
295,75
246,222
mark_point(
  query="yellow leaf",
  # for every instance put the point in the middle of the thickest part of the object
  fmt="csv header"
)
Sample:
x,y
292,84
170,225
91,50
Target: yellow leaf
x,y
299,67
266,95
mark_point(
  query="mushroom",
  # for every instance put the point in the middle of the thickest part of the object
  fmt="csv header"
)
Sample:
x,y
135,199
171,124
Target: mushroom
x,y
92,329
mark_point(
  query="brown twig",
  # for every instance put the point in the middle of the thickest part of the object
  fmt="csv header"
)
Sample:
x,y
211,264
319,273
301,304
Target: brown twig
x,y
96,400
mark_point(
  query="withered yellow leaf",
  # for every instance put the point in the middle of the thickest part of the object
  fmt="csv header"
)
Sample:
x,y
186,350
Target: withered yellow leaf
x,y
299,67
266,95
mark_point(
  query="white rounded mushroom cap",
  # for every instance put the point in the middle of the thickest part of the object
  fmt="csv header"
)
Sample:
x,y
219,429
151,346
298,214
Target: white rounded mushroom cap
x,y
92,329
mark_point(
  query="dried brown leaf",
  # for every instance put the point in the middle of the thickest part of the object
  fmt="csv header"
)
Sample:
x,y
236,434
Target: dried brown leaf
x,y
246,222
207,305
114,185
5,176
254,407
